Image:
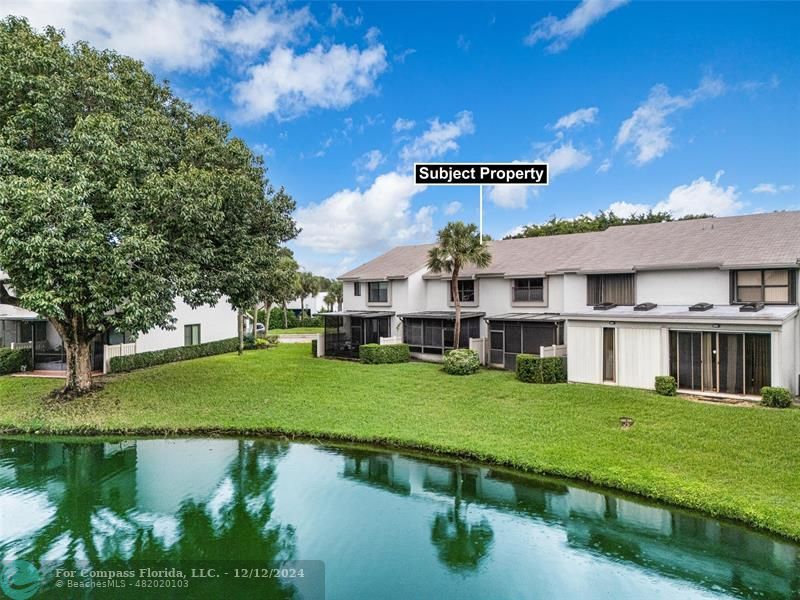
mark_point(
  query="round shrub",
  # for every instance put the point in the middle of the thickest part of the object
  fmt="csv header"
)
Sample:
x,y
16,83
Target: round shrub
x,y
461,362
666,385
776,397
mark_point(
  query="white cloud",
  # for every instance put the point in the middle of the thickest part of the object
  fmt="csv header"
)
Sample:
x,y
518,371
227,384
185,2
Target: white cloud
x,y
566,157
354,220
578,118
701,196
560,32
290,84
771,188
463,43
647,129
403,124
401,56
439,139
512,232
509,196
452,208
605,166
369,161
172,34
627,209
339,16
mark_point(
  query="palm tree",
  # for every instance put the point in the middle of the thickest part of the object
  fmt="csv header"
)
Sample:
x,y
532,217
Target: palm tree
x,y
308,285
458,246
335,294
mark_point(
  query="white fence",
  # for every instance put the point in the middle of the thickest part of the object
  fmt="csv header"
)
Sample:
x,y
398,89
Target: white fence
x,y
390,340
479,346
110,352
22,345
554,350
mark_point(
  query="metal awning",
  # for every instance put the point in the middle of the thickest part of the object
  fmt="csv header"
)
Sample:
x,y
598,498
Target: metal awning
x,y
547,317
16,313
361,314
447,315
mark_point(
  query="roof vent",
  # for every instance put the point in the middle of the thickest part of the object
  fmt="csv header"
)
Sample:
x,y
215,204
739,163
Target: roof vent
x,y
751,307
645,306
700,307
605,305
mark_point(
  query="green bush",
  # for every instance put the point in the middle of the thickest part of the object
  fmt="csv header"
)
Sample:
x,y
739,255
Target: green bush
x,y
776,397
272,340
376,354
120,364
12,361
535,369
666,385
276,318
461,362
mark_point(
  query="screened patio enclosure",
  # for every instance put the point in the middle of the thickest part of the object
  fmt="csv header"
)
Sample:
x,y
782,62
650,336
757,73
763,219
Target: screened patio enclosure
x,y
345,331
516,333
433,332
721,362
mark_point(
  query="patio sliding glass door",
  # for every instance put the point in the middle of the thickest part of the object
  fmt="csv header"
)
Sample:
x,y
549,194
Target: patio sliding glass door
x,y
727,363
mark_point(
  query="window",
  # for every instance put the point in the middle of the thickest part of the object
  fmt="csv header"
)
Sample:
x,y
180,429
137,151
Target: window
x,y
609,362
618,288
466,290
378,291
191,335
528,290
356,288
772,286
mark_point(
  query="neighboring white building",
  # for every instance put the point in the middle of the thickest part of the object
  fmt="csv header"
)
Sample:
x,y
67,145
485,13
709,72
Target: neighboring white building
x,y
192,326
626,304
311,304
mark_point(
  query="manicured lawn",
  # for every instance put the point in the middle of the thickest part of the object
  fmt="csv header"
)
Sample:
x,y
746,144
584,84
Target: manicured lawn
x,y
297,330
731,461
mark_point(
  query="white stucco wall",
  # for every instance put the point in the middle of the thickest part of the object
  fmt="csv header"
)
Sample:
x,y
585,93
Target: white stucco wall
x,y
585,352
216,323
639,355
683,287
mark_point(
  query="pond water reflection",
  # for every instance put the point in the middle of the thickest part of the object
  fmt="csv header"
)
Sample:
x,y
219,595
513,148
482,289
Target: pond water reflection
x,y
385,524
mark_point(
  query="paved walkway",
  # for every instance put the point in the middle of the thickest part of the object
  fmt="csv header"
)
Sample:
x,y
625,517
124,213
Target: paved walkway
x,y
297,338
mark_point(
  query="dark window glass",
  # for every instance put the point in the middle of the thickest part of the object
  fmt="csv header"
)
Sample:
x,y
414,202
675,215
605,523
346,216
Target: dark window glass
x,y
771,286
731,364
609,363
466,290
617,288
378,291
191,335
356,288
432,332
412,331
758,363
534,336
513,338
528,290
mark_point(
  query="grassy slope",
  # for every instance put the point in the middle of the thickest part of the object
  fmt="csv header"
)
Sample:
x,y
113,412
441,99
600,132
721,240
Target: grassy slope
x,y
729,461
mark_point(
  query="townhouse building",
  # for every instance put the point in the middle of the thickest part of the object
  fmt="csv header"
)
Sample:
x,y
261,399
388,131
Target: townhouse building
x,y
712,302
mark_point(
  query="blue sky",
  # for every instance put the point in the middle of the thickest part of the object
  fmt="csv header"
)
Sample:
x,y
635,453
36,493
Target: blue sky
x,y
680,106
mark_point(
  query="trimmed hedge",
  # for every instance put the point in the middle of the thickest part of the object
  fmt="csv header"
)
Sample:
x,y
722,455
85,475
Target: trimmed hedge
x,y
12,361
376,354
461,362
776,397
535,369
666,385
142,360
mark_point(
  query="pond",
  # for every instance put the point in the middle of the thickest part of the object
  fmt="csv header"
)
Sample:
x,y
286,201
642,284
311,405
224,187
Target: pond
x,y
383,524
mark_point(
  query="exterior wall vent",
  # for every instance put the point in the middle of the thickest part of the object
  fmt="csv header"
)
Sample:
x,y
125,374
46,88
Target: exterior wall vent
x,y
751,307
645,306
605,305
700,307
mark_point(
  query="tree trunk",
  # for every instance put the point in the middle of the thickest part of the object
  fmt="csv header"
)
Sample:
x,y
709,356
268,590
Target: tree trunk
x,y
255,321
79,365
302,309
240,323
78,354
285,317
339,304
457,302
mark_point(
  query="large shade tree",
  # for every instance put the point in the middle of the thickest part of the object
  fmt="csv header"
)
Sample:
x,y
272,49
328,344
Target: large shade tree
x,y
458,245
116,197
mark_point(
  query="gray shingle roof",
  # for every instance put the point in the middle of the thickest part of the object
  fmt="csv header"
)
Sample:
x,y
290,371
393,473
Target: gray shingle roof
x,y
769,239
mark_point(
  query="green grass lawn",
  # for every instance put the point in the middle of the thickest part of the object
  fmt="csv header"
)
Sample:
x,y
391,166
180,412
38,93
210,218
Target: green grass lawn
x,y
729,461
297,330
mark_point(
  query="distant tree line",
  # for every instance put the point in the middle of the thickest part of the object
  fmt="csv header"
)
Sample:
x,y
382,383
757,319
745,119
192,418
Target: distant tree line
x,y
600,222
